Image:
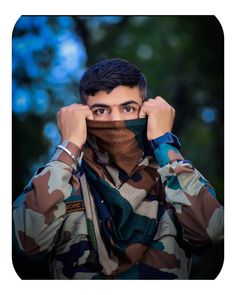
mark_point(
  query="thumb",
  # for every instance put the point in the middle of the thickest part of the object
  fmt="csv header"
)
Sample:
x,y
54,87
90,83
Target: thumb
x,y
142,114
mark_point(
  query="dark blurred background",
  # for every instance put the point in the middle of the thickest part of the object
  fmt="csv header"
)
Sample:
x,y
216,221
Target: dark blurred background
x,y
181,56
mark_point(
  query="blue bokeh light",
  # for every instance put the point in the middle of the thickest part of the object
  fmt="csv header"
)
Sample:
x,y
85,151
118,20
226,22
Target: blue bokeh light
x,y
97,20
51,132
24,22
22,101
72,53
70,57
208,115
25,45
40,101
29,22
65,21
50,61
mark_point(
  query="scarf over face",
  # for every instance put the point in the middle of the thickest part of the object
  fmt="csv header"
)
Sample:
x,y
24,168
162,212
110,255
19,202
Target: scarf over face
x,y
121,192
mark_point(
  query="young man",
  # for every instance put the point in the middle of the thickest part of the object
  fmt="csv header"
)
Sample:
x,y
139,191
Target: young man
x,y
117,200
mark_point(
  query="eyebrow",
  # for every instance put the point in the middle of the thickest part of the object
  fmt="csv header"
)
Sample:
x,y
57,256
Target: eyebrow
x,y
107,106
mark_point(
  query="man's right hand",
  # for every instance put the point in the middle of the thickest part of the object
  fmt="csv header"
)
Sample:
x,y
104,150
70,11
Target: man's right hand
x,y
71,122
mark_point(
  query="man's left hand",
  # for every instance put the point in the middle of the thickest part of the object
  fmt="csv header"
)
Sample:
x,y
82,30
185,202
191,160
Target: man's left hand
x,y
160,115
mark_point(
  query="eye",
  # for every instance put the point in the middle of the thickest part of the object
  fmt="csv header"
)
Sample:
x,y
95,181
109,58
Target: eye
x,y
128,109
101,111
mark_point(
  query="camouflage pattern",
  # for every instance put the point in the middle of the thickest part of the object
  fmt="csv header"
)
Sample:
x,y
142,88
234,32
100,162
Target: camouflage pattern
x,y
116,219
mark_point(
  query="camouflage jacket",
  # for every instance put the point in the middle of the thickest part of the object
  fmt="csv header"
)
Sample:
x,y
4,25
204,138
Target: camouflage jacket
x,y
49,217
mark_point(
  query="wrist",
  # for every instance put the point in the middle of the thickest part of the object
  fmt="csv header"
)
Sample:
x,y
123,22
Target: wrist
x,y
155,135
69,153
166,148
167,153
74,142
168,138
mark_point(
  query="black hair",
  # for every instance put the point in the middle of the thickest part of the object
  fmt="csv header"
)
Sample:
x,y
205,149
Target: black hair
x,y
110,73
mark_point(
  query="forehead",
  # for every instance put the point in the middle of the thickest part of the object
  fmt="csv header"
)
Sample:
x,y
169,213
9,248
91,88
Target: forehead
x,y
118,95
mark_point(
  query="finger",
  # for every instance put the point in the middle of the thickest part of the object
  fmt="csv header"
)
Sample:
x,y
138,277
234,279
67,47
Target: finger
x,y
142,113
74,109
159,98
85,110
78,106
90,115
149,102
74,106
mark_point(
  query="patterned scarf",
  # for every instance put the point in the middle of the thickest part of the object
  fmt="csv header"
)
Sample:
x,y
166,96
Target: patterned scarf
x,y
121,192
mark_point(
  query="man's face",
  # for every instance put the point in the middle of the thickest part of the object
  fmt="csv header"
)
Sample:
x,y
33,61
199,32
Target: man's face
x,y
122,103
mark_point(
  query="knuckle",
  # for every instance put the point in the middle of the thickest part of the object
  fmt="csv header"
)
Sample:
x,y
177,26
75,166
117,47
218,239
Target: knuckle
x,y
159,97
64,109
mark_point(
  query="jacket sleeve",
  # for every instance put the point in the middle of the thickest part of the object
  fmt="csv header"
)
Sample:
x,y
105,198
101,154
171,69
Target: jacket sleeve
x,y
192,196
39,211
